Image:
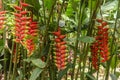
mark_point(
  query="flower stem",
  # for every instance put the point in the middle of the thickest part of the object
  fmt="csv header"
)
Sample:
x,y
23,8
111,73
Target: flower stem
x,y
15,63
11,58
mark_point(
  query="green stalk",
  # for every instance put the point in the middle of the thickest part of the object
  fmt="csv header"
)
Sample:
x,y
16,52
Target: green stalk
x,y
84,59
24,63
47,25
98,66
112,44
15,63
59,14
44,12
4,51
11,58
116,58
5,45
77,41
92,21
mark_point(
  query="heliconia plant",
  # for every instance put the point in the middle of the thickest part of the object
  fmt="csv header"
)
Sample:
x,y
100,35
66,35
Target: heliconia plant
x,y
100,46
25,28
2,19
60,50
59,39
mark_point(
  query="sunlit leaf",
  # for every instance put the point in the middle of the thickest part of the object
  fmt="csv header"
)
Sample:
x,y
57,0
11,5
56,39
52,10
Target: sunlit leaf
x,y
39,63
91,77
0,66
36,72
87,39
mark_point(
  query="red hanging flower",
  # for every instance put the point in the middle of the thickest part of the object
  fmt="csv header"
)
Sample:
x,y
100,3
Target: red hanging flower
x,y
101,45
60,50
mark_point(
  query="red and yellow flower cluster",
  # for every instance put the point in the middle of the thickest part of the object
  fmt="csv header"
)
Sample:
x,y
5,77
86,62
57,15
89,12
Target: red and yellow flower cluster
x,y
25,28
2,18
60,50
21,22
100,46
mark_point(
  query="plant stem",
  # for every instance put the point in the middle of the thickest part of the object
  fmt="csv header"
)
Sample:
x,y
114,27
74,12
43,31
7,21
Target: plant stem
x,y
11,58
77,41
112,44
5,54
60,12
44,12
24,63
15,63
47,25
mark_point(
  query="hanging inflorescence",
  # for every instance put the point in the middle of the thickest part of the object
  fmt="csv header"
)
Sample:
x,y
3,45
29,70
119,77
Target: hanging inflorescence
x,y
60,50
2,19
25,28
100,46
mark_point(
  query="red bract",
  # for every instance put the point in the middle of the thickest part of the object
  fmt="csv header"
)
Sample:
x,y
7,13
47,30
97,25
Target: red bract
x,y
60,50
57,33
32,29
18,8
17,15
24,12
99,20
2,18
23,18
3,12
30,46
62,36
24,4
104,23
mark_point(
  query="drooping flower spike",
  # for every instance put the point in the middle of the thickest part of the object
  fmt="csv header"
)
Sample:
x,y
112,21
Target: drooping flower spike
x,y
100,46
60,50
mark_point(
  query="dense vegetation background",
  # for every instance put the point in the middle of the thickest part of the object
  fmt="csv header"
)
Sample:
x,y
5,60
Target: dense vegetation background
x,y
59,39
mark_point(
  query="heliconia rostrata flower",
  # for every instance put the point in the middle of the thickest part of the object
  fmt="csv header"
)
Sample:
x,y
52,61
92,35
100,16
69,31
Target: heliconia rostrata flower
x,y
25,28
100,46
2,18
60,50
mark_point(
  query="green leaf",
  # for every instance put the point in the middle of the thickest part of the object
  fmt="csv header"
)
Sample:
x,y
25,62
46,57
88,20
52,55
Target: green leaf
x,y
48,3
36,72
113,62
87,39
27,60
63,72
91,77
0,66
113,77
109,5
39,63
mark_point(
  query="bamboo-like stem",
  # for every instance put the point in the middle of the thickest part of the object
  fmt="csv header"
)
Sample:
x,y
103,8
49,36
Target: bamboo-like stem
x,y
116,58
46,34
77,41
5,44
47,25
60,12
112,44
15,63
24,63
92,21
43,5
11,58
4,51
79,24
